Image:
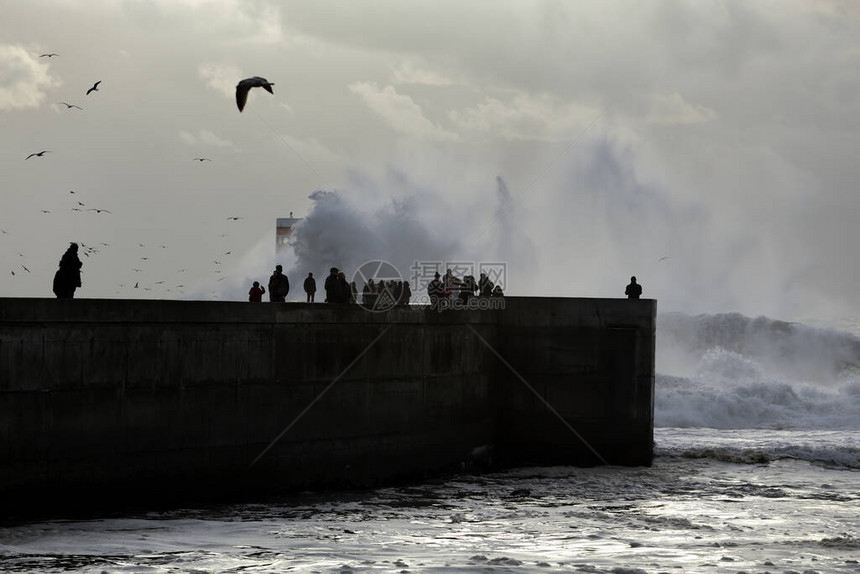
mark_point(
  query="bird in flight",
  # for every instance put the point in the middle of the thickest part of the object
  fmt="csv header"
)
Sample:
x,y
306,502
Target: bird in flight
x,y
234,218
40,154
45,211
70,106
201,159
25,268
664,258
98,210
243,87
51,55
95,87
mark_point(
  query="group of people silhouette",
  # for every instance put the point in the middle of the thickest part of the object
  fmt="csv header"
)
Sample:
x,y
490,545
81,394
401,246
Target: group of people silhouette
x,y
337,289
380,292
451,287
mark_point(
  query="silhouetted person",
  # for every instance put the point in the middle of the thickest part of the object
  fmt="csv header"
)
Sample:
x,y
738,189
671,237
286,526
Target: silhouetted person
x,y
344,292
310,287
407,292
634,289
68,276
255,295
468,288
497,291
452,284
331,286
279,286
485,286
353,292
435,289
368,294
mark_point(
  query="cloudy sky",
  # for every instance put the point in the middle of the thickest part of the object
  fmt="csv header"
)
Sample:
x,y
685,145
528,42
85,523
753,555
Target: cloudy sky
x,y
710,148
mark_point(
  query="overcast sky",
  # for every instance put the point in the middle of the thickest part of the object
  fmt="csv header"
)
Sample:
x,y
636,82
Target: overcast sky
x,y
710,148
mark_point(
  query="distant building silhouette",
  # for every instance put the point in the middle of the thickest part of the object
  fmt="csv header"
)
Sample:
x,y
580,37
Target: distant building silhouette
x,y
283,231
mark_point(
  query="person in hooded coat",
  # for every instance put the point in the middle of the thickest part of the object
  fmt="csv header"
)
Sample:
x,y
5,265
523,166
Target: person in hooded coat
x,y
68,276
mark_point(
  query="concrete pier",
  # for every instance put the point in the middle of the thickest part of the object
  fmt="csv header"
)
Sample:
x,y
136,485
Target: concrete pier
x,y
127,399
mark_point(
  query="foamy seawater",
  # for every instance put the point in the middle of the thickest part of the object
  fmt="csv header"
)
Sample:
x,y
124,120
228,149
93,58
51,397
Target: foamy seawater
x,y
757,469
682,514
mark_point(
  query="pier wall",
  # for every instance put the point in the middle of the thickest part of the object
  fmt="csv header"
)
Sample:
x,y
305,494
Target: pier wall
x,y
171,397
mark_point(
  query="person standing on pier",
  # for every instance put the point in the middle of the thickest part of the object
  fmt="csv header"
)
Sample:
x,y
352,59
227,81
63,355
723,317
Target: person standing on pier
x,y
310,287
255,295
279,286
68,276
634,290
332,287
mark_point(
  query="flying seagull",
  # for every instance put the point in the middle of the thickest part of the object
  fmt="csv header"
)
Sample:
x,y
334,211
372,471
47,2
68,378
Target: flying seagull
x,y
243,87
40,154
201,159
95,87
51,55
234,218
99,210
70,106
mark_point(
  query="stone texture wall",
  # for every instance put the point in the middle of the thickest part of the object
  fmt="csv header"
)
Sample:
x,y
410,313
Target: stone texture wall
x,y
172,397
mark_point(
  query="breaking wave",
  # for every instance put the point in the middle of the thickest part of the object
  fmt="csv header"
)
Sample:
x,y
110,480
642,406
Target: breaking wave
x,y
733,372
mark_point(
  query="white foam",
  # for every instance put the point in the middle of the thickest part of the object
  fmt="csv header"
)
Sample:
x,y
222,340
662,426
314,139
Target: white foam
x,y
740,373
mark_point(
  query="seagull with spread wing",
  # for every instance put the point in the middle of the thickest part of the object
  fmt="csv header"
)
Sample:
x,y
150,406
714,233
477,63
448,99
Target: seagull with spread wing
x,y
95,87
40,154
243,87
70,106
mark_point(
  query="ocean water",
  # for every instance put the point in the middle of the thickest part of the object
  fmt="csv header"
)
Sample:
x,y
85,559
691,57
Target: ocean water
x,y
757,469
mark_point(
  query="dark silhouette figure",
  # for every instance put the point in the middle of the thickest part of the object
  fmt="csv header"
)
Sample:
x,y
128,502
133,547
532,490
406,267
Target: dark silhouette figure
x,y
634,290
452,284
332,287
255,295
310,287
368,294
279,286
407,293
485,286
353,292
436,290
344,292
468,288
68,276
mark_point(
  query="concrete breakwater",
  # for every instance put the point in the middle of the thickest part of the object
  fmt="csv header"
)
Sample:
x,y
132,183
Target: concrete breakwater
x,y
153,399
